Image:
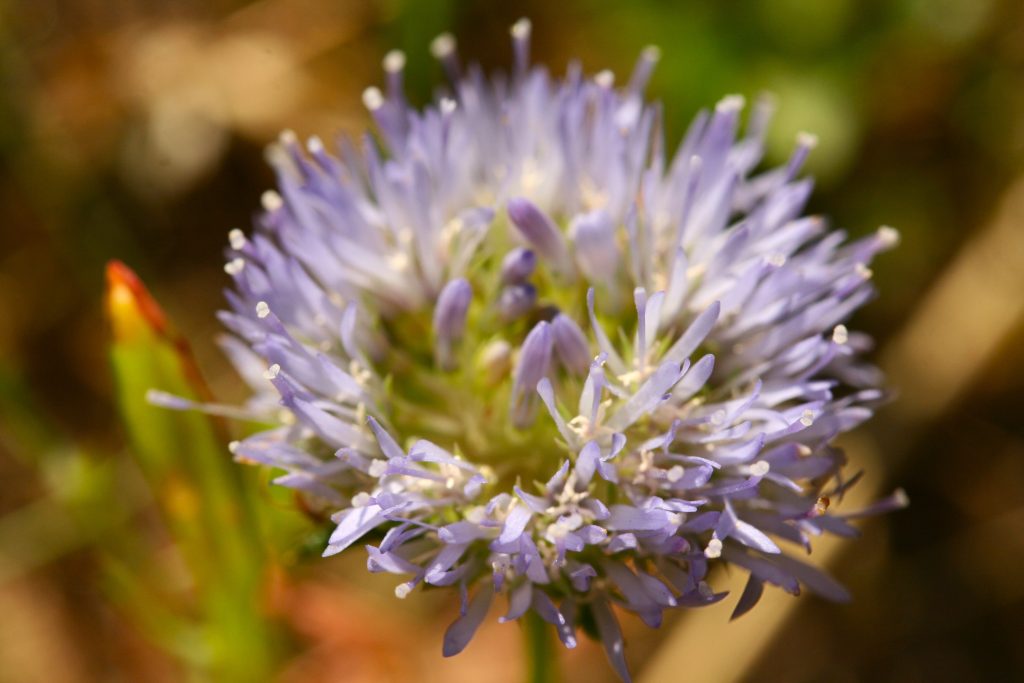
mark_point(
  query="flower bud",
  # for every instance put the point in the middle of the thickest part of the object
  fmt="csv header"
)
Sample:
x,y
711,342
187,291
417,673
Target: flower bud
x,y
593,235
540,231
517,266
450,320
516,301
534,363
571,344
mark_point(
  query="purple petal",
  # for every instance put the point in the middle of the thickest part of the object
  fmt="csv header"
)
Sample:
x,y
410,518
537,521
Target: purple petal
x,y
458,635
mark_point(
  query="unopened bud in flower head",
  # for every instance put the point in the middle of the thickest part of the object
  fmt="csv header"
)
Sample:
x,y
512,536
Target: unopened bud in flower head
x,y
534,363
571,344
495,361
516,301
450,319
539,231
593,235
517,266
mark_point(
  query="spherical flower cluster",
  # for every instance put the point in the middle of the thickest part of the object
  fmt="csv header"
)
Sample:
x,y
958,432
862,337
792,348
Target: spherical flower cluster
x,y
515,347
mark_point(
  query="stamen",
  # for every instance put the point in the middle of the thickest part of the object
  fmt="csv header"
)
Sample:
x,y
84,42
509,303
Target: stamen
x,y
373,99
237,239
271,201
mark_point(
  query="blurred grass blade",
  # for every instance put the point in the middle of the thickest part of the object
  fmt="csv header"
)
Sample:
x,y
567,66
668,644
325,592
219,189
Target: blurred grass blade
x,y
199,490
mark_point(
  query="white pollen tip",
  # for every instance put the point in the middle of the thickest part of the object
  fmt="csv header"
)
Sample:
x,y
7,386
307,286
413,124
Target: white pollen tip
x,y
442,46
262,310
271,200
651,53
521,29
807,419
237,240
730,103
675,474
402,591
889,236
605,78
272,372
448,105
378,468
233,446
901,498
288,137
314,144
361,499
373,99
714,549
394,61
863,271
808,140
840,335
234,266
760,468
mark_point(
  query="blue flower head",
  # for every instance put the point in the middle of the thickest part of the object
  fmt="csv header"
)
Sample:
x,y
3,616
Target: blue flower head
x,y
515,346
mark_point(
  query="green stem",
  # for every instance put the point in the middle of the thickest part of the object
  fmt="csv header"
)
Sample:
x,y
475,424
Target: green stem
x,y
541,655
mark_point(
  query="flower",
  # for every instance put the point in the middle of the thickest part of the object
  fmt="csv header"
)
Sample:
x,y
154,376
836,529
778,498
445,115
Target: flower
x,y
517,348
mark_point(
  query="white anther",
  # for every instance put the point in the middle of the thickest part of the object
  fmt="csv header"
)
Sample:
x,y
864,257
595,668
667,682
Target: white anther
x,y
272,372
808,140
521,29
394,61
373,99
760,468
237,239
777,260
402,591
442,46
234,266
889,236
675,473
361,499
730,103
807,419
378,468
262,310
605,78
288,137
233,446
840,335
448,105
714,549
863,271
651,53
314,144
271,200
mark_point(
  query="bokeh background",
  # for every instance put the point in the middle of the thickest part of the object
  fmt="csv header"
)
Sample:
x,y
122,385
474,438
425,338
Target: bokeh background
x,y
134,129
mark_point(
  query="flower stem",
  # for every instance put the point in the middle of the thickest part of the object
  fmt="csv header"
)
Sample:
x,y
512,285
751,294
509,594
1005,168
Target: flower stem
x,y
541,654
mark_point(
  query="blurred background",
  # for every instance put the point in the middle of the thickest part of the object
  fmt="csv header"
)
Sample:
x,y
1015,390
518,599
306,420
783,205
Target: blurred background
x,y
134,129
